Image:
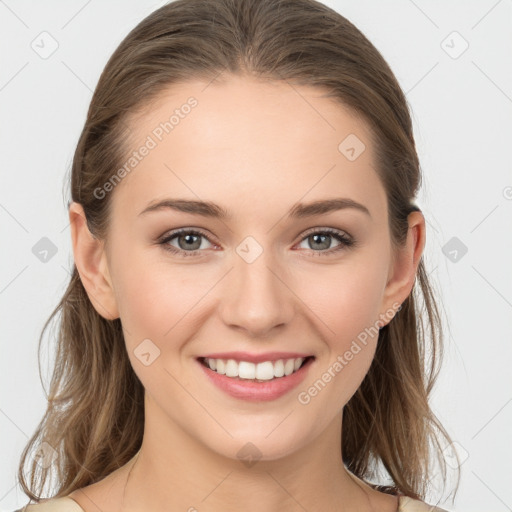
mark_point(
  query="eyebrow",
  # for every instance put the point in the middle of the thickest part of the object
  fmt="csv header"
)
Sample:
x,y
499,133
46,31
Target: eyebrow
x,y
298,211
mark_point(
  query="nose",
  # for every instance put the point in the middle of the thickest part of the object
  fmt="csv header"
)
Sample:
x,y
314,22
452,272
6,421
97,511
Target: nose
x,y
256,296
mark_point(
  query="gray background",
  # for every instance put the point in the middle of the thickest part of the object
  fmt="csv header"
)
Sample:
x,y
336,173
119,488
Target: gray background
x,y
461,103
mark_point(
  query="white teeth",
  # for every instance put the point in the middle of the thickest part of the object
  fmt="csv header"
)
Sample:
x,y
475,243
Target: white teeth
x,y
220,366
279,368
288,366
231,368
266,370
246,370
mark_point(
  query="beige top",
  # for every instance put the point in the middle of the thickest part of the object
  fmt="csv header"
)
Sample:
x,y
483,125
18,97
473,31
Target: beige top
x,y
65,504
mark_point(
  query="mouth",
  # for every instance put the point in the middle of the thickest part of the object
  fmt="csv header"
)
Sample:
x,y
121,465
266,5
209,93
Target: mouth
x,y
239,379
264,371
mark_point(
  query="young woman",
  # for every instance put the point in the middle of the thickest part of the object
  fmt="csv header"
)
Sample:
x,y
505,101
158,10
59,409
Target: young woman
x,y
242,328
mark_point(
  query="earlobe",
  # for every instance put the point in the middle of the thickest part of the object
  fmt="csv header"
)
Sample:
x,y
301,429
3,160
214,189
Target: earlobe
x,y
91,263
405,265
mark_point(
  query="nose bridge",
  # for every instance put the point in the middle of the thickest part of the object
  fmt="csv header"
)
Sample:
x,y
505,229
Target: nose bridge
x,y
257,299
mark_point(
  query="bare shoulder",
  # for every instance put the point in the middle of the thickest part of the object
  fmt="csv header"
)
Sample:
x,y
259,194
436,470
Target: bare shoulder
x,y
407,504
63,504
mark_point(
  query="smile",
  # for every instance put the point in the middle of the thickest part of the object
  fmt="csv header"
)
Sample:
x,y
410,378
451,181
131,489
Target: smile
x,y
255,382
258,372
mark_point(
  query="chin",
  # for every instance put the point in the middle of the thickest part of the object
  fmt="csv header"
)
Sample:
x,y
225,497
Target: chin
x,y
250,445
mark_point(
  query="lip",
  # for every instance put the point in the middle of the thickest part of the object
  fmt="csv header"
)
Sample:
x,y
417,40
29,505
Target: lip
x,y
257,391
256,358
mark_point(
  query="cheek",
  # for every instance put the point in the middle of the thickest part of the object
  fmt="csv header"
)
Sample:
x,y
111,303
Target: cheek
x,y
154,308
346,302
161,302
151,294
345,298
142,301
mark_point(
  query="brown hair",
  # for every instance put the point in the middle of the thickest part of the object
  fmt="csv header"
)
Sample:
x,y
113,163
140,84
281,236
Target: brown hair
x,y
95,415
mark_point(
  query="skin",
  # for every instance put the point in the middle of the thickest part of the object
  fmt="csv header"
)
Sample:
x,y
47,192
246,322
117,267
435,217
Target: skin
x,y
255,148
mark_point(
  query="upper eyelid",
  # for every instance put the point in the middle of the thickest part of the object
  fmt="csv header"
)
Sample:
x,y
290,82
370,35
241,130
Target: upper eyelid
x,y
173,233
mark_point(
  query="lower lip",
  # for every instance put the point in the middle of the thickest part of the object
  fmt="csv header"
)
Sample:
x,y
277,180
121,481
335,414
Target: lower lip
x,y
257,391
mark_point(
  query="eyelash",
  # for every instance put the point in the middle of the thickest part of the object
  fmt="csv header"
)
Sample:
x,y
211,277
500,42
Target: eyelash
x,y
345,241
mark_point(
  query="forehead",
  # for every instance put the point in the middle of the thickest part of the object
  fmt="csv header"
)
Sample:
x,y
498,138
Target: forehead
x,y
250,145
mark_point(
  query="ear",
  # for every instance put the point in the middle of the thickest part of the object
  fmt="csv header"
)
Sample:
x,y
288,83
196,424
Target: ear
x,y
91,263
403,268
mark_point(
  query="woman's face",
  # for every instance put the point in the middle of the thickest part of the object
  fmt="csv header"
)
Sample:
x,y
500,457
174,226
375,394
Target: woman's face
x,y
263,278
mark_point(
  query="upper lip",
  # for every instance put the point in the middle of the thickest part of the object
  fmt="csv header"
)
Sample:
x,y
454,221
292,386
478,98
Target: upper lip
x,y
256,358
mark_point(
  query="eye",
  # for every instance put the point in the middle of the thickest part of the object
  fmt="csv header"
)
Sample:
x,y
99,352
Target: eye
x,y
322,240
188,240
